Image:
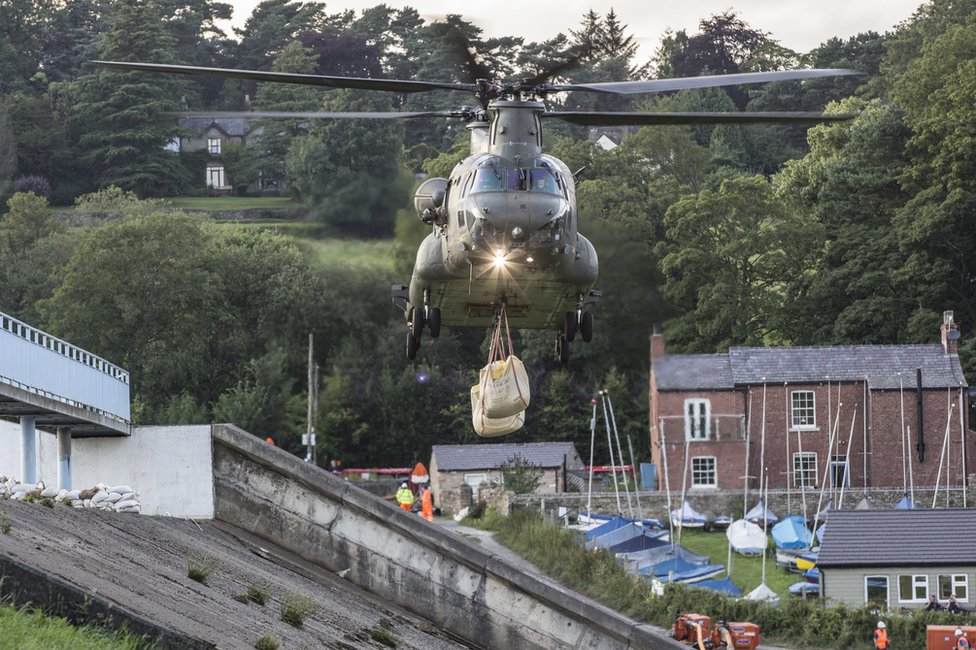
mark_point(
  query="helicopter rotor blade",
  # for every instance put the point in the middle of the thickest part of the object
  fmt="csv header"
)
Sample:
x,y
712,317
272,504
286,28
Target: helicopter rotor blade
x,y
324,115
361,83
584,118
705,81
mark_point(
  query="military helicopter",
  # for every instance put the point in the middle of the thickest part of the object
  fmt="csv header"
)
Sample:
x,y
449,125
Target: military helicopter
x,y
504,225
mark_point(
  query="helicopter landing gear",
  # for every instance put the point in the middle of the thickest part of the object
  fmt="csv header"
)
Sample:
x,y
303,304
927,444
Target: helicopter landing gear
x,y
434,321
413,344
569,329
586,326
562,350
417,322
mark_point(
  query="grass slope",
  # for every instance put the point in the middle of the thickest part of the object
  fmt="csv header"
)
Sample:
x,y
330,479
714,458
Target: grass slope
x,y
24,629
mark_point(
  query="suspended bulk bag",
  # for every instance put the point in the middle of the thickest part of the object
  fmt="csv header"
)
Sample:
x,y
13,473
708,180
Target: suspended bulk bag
x,y
488,427
504,382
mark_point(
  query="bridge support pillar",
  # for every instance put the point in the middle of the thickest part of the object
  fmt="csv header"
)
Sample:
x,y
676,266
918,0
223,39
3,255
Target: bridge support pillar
x,y
28,449
64,458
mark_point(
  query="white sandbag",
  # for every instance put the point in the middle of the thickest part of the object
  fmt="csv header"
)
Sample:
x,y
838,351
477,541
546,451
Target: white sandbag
x,y
49,492
113,497
128,503
504,387
128,495
73,495
21,487
100,496
132,509
121,489
492,427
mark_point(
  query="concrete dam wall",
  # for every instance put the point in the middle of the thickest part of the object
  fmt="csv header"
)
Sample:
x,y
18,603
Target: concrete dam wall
x,y
440,577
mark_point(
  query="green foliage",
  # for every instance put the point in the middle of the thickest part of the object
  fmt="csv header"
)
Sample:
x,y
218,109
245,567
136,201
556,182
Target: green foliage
x,y
31,628
267,642
384,634
295,608
5,522
27,221
199,567
520,476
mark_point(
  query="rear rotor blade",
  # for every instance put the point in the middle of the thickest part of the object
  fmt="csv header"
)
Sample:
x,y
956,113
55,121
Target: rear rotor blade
x,y
707,81
390,85
624,119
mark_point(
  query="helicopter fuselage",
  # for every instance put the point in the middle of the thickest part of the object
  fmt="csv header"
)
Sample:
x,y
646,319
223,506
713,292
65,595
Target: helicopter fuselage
x,y
504,230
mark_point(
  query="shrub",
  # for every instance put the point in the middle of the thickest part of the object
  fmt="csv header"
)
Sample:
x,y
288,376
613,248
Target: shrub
x,y
520,476
199,567
295,608
383,633
267,642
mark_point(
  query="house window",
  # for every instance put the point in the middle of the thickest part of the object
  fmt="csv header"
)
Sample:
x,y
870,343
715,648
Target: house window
x,y
213,145
474,480
703,472
696,419
838,472
215,176
876,590
913,589
803,412
805,469
956,585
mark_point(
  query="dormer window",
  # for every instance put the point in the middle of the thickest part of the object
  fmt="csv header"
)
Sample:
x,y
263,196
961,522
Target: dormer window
x,y
213,145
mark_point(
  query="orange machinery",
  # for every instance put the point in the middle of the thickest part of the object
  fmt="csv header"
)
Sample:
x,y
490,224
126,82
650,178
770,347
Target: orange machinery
x,y
697,631
943,637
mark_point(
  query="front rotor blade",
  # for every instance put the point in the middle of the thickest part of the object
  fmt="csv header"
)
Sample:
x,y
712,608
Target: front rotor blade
x,y
707,81
624,119
391,85
318,115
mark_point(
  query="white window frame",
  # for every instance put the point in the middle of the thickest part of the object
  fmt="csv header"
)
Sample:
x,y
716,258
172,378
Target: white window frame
x,y
809,475
958,585
887,583
701,472
803,417
845,467
215,176
469,478
918,580
214,146
698,425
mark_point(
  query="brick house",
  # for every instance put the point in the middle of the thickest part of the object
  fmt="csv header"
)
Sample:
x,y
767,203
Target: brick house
x,y
843,414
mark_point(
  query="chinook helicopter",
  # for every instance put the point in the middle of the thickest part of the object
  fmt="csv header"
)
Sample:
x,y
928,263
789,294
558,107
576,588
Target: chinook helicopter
x,y
504,225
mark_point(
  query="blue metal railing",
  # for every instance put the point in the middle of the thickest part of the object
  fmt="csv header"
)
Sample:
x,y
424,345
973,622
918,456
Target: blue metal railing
x,y
45,365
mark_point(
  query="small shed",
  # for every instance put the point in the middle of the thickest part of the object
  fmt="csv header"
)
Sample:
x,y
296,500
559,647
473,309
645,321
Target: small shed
x,y
454,466
898,558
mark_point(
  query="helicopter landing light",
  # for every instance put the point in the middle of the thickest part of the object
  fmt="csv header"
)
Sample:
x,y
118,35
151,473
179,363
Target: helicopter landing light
x,y
499,260
529,259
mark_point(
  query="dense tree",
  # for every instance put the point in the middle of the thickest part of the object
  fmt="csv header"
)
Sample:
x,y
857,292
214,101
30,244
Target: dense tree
x,y
271,27
119,117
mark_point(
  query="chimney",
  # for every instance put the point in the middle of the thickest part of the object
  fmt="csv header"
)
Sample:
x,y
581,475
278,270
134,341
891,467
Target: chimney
x,y
657,343
950,334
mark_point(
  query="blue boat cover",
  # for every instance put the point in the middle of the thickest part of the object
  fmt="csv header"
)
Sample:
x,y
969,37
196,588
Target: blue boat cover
x,y
805,588
687,516
761,513
905,504
678,569
812,575
650,539
651,556
622,534
609,526
723,586
792,532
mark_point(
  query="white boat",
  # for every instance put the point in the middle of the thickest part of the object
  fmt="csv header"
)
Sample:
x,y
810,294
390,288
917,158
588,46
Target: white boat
x,y
746,537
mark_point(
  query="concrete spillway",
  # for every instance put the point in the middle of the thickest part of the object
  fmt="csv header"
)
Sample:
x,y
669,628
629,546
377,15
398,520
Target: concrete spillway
x,y
296,528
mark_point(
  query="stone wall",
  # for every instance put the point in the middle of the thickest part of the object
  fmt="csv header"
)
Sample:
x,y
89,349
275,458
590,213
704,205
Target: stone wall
x,y
418,565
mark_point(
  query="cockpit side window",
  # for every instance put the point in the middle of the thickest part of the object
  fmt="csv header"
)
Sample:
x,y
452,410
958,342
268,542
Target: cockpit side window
x,y
542,180
516,180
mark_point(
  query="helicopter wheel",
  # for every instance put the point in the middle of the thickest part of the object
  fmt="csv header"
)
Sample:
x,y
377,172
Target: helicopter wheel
x,y
571,325
417,322
434,322
562,350
413,344
586,326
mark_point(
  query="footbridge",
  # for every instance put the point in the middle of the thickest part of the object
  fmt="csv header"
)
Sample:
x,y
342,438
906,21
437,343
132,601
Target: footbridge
x,y
48,384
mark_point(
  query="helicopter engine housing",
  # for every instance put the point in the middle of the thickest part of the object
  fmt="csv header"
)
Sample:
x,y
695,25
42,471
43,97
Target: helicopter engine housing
x,y
429,198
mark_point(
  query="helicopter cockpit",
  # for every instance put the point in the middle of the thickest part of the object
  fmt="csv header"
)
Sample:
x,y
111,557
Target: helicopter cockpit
x,y
491,178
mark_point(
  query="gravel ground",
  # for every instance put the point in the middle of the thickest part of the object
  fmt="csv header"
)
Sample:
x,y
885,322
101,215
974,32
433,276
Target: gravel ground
x,y
139,565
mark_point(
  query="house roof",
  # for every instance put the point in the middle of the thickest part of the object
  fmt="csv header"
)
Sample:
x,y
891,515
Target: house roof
x,y
884,367
232,126
493,456
855,538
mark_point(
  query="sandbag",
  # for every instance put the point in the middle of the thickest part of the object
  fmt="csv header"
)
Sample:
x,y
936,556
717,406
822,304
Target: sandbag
x,y
492,427
504,386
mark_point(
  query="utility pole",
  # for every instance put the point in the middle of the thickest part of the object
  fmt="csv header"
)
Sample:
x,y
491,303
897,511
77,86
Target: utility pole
x,y
313,381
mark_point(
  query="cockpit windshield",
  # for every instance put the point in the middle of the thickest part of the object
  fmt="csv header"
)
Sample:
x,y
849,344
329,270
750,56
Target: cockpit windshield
x,y
491,178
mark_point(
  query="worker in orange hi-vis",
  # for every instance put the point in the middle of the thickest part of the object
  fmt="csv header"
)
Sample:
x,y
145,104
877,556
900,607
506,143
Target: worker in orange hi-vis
x,y
427,504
